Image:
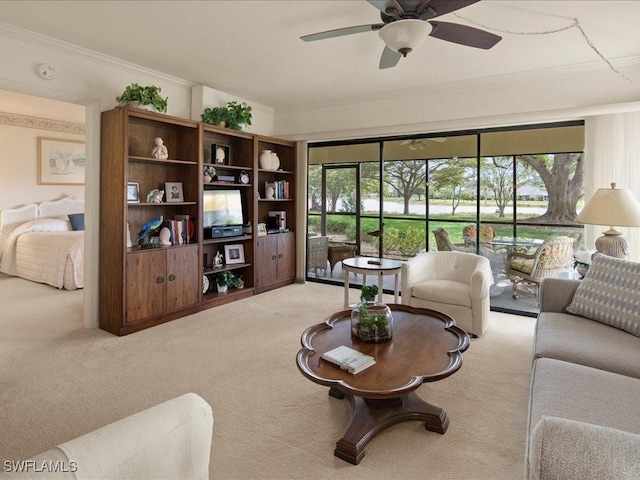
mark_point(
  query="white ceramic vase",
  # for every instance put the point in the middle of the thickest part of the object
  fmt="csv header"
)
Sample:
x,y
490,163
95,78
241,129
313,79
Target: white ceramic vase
x,y
269,160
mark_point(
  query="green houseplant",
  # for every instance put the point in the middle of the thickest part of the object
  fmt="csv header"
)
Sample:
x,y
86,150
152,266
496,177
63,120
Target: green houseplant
x,y
371,322
224,280
136,95
234,115
215,116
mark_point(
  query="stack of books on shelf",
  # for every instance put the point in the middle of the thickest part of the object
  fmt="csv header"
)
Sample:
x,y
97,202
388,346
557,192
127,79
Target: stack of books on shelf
x,y
181,229
349,359
280,189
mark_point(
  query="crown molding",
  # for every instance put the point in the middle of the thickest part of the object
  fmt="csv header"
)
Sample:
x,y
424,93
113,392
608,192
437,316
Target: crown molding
x,y
26,36
27,121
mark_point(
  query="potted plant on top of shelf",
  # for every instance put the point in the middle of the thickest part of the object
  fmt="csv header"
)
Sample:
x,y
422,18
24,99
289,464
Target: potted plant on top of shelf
x,y
147,98
234,115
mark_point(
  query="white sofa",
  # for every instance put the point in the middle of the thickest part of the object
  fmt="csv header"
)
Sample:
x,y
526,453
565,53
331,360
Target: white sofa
x,y
455,283
171,440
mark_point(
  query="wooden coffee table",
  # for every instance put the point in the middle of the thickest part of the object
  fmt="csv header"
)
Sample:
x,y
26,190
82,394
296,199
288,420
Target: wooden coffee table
x,y
426,346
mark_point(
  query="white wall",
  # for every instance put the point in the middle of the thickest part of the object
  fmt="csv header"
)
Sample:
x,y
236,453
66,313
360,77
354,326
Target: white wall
x,y
613,153
19,146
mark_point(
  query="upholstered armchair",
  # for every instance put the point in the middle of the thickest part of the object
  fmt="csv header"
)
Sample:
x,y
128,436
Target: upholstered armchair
x,y
455,283
552,259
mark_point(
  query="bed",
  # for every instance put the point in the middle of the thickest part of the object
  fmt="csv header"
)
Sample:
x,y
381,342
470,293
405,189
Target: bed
x,y
40,243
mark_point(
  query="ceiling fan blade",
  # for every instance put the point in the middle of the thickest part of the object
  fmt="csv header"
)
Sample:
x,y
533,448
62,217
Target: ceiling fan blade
x,y
389,58
469,36
442,7
339,32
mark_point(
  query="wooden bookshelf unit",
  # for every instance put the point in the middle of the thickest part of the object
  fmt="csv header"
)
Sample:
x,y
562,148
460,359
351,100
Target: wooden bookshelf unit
x,y
143,287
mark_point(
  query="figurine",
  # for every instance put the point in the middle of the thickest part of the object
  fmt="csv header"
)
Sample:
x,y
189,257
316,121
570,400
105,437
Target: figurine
x,y
148,228
217,261
160,150
155,196
220,155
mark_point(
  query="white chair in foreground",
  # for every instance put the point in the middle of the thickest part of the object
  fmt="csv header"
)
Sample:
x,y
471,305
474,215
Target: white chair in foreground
x,y
455,283
171,440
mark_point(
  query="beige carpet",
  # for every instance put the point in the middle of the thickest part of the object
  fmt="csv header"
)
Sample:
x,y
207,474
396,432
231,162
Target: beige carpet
x,y
58,380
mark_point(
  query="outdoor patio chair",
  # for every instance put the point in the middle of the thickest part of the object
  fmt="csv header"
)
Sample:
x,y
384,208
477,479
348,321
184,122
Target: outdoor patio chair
x,y
551,260
318,254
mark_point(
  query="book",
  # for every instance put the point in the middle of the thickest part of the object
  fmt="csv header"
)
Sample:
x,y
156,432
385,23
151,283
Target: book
x,y
349,359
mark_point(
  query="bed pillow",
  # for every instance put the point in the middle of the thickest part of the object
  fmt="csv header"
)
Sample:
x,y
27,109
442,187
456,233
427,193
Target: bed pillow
x,y
77,221
610,293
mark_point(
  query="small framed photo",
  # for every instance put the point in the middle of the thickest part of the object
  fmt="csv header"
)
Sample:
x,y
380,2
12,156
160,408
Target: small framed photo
x,y
173,191
234,254
133,195
220,154
262,229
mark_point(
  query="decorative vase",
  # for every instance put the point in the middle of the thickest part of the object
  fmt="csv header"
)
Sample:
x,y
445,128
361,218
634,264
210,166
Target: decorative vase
x,y
266,160
371,322
222,288
275,161
206,178
149,106
269,160
582,270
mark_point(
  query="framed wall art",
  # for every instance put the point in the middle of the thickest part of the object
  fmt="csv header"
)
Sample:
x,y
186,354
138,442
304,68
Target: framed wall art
x,y
60,161
234,254
173,192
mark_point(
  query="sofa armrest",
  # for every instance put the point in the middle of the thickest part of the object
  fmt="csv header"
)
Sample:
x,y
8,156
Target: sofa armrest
x,y
169,440
417,269
567,449
555,294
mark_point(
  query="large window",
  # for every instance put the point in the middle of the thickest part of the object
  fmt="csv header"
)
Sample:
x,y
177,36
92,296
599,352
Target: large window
x,y
490,192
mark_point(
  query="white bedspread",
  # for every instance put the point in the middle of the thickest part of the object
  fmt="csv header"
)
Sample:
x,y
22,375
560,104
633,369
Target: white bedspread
x,y
46,251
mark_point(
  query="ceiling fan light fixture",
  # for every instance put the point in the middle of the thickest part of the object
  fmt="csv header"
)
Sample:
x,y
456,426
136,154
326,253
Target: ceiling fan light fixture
x,y
403,36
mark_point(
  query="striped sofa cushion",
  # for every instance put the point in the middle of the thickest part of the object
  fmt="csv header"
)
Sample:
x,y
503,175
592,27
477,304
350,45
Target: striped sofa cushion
x,y
610,293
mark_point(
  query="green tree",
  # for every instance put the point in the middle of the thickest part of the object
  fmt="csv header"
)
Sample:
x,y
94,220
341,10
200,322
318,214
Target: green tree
x,y
339,181
405,177
452,179
563,177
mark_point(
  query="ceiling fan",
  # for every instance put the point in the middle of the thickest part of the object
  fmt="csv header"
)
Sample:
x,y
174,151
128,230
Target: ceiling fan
x,y
405,24
418,144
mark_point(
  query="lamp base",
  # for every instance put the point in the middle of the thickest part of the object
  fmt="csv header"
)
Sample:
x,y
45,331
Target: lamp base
x,y
612,244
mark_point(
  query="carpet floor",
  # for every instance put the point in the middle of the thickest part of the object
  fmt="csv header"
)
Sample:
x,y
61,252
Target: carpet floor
x,y
59,380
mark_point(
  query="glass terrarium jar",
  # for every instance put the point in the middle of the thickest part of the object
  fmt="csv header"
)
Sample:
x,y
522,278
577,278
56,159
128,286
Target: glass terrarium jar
x,y
371,322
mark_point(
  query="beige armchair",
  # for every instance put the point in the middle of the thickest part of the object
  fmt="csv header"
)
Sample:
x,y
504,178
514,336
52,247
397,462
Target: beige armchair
x,y
455,283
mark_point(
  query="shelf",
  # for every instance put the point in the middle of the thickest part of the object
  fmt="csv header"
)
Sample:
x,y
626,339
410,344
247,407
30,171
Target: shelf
x,y
275,199
286,172
137,249
163,204
232,292
228,184
158,161
239,238
223,166
235,266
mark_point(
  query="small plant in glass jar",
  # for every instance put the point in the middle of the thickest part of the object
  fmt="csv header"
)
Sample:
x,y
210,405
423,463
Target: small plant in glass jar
x,y
371,321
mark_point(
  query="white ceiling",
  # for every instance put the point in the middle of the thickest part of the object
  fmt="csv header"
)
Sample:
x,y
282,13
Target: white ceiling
x,y
252,49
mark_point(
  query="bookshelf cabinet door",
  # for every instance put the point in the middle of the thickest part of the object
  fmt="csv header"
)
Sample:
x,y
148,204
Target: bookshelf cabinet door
x,y
182,277
286,256
146,285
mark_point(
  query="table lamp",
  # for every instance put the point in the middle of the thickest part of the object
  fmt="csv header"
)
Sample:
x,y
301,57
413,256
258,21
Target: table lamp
x,y
612,206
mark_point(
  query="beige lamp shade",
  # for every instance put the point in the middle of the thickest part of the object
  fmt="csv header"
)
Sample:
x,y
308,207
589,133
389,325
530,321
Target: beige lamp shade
x,y
613,207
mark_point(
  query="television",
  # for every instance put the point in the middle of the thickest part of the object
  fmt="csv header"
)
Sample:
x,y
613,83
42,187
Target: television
x,y
222,207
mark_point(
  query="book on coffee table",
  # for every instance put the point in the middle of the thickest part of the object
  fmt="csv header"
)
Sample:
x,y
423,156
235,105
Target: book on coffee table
x,y
349,359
